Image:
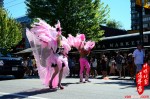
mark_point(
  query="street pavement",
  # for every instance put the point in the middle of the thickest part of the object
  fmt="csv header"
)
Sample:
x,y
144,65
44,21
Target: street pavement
x,y
32,88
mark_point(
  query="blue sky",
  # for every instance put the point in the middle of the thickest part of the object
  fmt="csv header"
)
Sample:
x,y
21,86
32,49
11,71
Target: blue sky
x,y
119,10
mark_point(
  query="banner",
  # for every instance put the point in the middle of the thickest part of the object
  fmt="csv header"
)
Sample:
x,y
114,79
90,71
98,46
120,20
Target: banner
x,y
142,78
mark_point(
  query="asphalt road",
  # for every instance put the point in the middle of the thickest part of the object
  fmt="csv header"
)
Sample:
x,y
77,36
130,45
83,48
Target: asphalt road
x,y
32,88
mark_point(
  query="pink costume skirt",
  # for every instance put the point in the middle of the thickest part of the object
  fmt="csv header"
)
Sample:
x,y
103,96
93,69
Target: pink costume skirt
x,y
46,72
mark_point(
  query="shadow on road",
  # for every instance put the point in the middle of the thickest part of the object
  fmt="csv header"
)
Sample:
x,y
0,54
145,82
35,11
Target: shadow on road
x,y
114,78
31,77
2,78
125,83
147,87
67,84
27,94
9,77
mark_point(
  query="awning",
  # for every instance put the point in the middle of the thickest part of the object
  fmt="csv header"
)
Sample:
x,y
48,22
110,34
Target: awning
x,y
28,50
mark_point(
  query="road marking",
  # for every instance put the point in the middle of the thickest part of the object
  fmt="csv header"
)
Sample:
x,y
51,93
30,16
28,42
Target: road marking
x,y
24,96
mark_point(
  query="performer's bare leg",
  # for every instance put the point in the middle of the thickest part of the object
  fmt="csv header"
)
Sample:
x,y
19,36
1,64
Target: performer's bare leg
x,y
56,69
60,78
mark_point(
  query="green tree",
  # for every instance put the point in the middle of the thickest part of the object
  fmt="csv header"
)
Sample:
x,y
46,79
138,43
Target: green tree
x,y
76,16
10,31
114,24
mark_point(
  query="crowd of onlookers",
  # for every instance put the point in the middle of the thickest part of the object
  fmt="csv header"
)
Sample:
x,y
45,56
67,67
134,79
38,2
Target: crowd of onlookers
x,y
106,66
120,64
30,66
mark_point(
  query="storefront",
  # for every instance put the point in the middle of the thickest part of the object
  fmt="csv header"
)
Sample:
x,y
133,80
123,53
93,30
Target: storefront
x,y
122,42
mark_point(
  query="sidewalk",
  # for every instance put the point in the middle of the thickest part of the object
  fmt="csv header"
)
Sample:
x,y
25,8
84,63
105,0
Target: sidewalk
x,y
115,77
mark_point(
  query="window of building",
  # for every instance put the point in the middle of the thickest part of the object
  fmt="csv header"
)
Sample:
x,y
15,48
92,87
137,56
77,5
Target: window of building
x,y
145,25
133,4
146,19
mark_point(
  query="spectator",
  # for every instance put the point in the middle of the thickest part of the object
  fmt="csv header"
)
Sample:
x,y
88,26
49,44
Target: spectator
x,y
30,65
93,63
138,56
71,62
104,67
112,65
131,65
35,71
119,59
25,64
124,64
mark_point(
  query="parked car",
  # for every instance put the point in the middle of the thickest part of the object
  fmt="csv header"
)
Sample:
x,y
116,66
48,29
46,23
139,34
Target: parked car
x,y
10,65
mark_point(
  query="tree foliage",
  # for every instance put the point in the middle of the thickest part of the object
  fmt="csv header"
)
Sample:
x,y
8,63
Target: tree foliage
x,y
10,31
114,24
76,16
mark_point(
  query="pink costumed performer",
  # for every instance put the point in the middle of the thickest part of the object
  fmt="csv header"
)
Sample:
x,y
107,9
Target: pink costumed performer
x,y
50,49
84,49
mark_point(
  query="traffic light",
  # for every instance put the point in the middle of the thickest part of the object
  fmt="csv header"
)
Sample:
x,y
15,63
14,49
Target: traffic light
x,y
138,5
147,6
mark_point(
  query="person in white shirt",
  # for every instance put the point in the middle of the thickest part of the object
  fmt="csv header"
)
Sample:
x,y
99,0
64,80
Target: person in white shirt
x,y
93,63
138,56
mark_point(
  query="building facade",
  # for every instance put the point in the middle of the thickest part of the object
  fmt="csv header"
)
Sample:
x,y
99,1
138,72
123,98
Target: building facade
x,y
123,42
1,3
25,22
135,18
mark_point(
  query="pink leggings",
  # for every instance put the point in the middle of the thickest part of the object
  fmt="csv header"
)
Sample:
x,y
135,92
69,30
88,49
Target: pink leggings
x,y
84,63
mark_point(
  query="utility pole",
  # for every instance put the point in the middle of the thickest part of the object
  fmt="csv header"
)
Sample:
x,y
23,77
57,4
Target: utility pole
x,y
140,5
139,9
141,24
